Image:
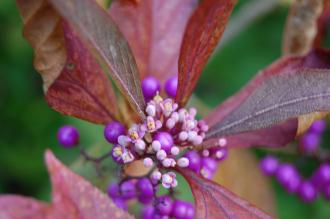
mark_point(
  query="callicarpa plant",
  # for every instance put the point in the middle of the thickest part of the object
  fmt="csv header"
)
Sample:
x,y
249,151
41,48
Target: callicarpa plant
x,y
154,52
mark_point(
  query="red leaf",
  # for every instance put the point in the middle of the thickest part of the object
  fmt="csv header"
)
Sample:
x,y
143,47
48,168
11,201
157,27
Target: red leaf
x,y
17,207
95,26
82,89
282,133
203,32
212,201
154,30
73,198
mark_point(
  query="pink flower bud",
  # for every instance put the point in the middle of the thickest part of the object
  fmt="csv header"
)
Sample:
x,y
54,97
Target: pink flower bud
x,y
161,155
175,150
156,145
147,162
222,142
170,123
183,162
183,136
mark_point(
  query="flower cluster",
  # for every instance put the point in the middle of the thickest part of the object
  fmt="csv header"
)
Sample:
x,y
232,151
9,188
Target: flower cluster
x,y
288,175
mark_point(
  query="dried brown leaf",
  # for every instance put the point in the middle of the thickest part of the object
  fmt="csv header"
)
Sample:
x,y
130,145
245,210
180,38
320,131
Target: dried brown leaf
x,y
255,188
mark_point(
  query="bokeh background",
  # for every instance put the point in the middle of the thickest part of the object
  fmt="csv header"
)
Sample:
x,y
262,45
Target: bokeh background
x,y
29,126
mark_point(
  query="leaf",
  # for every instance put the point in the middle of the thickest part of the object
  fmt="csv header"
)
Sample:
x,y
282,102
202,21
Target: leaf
x,y
255,188
301,26
100,33
203,32
17,207
212,201
154,30
82,89
284,73
278,99
43,30
73,198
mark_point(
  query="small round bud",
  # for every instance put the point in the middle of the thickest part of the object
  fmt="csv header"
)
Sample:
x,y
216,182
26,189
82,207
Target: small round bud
x,y
145,190
170,123
288,177
148,212
205,153
120,203
165,139
175,116
150,85
192,135
167,162
183,136
112,131
156,176
147,162
194,160
113,190
307,192
164,205
222,142
269,165
127,189
151,110
310,142
171,86
221,154
161,155
175,150
198,140
183,162
156,145
140,145
68,136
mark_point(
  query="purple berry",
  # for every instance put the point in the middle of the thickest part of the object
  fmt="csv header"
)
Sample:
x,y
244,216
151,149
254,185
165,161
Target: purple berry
x,y
322,176
164,205
145,190
179,210
148,212
326,192
310,142
171,86
150,86
209,163
190,213
307,191
318,127
165,139
288,177
112,131
68,136
113,190
120,203
127,189
195,161
269,165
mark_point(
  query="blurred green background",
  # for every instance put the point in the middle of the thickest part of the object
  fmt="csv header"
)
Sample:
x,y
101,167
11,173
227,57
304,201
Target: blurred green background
x,y
28,125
